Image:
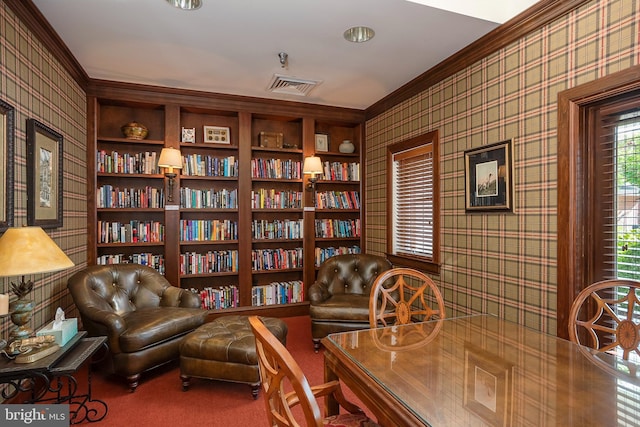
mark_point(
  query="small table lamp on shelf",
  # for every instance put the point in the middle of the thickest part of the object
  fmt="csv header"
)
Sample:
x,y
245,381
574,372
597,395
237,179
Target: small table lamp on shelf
x,y
26,251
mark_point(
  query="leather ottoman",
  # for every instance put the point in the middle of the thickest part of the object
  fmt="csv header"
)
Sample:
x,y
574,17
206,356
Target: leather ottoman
x,y
225,349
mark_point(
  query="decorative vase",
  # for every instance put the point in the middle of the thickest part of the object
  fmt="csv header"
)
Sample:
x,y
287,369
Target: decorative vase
x,y
21,311
346,147
135,130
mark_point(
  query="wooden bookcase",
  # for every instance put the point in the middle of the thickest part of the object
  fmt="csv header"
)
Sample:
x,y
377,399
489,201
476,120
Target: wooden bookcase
x,y
233,232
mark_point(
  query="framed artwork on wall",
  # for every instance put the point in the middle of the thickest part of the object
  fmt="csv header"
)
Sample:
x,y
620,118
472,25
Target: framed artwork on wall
x,y
488,178
7,129
44,175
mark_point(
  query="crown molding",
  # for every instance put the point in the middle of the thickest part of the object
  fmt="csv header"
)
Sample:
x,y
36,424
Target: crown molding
x,y
537,16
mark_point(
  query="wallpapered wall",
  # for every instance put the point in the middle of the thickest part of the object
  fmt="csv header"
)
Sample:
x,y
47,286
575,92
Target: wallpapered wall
x,y
505,263
37,86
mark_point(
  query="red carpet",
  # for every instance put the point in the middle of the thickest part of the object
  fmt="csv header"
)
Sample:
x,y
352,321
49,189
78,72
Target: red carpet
x,y
159,400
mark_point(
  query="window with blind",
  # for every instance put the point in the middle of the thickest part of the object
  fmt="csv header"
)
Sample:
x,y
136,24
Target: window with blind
x,y
615,192
413,212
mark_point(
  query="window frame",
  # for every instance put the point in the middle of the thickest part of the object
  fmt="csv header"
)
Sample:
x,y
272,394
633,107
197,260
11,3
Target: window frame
x,y
576,214
430,265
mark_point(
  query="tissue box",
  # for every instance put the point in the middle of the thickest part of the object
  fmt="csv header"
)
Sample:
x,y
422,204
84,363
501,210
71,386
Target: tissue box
x,y
63,335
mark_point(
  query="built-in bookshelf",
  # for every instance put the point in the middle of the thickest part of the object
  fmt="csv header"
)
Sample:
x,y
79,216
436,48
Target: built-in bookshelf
x,y
239,227
338,221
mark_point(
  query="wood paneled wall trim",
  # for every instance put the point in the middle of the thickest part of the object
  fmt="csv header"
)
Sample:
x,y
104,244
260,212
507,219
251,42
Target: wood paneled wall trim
x,y
533,18
162,95
572,210
30,15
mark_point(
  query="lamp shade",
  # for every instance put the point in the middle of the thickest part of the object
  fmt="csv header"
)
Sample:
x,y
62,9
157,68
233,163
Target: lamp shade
x,y
312,166
29,250
170,158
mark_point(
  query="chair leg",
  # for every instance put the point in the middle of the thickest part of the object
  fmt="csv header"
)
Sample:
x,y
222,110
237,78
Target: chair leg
x,y
316,344
133,381
186,382
255,389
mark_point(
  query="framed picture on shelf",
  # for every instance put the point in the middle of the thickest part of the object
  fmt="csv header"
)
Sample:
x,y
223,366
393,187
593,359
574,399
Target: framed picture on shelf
x,y
217,135
488,386
322,142
44,175
7,114
488,182
189,135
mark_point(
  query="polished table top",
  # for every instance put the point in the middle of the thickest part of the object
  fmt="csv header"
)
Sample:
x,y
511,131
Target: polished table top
x,y
482,370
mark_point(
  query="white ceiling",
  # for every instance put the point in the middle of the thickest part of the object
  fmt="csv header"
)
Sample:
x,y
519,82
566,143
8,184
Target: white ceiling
x,y
232,46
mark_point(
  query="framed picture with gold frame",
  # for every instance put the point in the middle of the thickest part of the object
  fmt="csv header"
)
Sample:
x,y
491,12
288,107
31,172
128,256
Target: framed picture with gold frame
x,y
7,129
217,135
44,175
488,386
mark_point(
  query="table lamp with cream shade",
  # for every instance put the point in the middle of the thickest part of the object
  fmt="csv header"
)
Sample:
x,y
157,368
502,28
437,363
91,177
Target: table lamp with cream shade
x,y
26,251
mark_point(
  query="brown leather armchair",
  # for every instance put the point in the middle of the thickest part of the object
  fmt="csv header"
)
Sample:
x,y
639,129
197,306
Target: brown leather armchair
x,y
340,295
142,315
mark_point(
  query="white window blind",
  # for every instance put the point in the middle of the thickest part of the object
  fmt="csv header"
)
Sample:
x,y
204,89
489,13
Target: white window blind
x,y
413,202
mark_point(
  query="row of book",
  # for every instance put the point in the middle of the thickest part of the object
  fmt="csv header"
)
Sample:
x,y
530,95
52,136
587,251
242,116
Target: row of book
x,y
336,171
276,259
115,197
128,163
131,232
276,199
220,261
326,228
277,229
218,298
206,165
323,254
154,261
337,200
277,293
276,168
195,198
202,229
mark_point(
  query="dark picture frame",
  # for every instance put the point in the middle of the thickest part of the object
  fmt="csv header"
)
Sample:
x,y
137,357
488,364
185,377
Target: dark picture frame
x,y
7,152
44,175
488,386
488,172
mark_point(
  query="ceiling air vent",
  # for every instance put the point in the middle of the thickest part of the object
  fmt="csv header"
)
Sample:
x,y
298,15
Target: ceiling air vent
x,y
291,86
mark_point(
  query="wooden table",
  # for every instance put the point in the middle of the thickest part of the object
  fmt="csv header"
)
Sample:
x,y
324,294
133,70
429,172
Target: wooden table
x,y
479,371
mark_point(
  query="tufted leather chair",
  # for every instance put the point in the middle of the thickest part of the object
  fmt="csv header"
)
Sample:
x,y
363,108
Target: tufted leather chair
x,y
142,315
340,295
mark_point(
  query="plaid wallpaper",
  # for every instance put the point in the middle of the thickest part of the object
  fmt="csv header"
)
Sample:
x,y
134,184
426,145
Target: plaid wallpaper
x,y
37,86
504,263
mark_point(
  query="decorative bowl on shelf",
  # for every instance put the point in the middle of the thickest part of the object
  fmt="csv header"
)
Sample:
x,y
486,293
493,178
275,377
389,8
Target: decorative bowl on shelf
x,y
346,147
135,130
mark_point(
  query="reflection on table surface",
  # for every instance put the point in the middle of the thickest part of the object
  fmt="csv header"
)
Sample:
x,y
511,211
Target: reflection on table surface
x,y
481,370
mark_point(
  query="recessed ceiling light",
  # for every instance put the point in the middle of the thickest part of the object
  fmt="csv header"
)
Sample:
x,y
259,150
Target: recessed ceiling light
x,y
359,34
186,4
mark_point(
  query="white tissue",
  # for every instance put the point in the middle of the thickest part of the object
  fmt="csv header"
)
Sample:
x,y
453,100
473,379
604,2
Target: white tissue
x,y
57,323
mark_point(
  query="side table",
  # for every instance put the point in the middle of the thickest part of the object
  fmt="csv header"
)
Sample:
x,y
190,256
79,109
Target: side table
x,y
51,379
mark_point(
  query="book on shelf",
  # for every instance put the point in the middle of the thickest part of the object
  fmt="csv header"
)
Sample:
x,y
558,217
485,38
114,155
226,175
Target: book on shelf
x,y
323,254
277,293
277,229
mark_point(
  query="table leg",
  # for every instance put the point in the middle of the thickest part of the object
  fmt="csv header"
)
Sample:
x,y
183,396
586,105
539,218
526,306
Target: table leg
x,y
331,405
